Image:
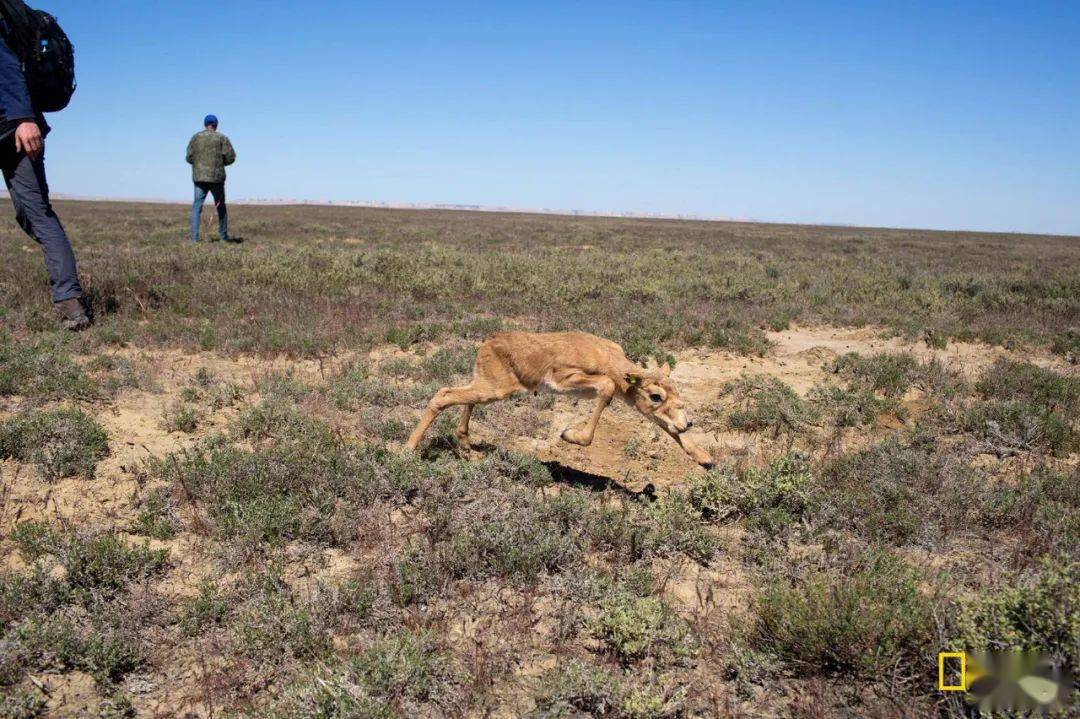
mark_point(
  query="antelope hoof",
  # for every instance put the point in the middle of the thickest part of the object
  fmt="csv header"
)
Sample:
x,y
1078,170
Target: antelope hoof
x,y
576,437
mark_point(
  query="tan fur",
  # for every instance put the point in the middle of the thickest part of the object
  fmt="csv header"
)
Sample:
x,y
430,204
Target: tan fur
x,y
567,363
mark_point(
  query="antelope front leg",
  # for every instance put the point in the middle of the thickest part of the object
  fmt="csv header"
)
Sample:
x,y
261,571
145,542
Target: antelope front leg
x,y
696,453
605,390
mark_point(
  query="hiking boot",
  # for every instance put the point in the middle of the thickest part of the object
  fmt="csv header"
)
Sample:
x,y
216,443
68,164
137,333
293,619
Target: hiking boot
x,y
72,314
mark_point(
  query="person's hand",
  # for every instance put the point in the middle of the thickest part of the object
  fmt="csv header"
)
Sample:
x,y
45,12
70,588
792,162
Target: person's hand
x,y
28,139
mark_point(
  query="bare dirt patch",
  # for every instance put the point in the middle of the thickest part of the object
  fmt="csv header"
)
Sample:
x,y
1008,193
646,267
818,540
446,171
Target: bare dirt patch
x,y
630,451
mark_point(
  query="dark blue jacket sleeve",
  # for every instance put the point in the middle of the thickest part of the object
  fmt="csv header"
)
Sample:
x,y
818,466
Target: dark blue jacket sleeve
x,y
14,96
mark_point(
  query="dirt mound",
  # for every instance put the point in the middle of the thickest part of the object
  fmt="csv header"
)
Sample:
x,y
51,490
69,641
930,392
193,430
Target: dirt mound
x,y
629,450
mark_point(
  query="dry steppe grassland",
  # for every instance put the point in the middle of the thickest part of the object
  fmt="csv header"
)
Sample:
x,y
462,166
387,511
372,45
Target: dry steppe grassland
x,y
205,512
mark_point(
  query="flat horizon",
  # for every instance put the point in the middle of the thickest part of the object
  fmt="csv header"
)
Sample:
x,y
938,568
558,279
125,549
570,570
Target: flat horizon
x,y
557,212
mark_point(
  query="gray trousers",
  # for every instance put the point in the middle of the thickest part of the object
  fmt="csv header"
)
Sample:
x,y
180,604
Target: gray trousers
x,y
25,179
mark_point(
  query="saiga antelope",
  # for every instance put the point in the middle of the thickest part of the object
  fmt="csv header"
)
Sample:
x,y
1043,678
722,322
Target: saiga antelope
x,y
567,363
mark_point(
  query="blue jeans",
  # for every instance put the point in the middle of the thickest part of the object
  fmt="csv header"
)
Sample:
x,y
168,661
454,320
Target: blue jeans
x,y
25,179
217,189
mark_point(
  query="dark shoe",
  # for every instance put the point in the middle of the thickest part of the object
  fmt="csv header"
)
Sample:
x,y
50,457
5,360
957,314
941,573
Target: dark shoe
x,y
233,240
72,314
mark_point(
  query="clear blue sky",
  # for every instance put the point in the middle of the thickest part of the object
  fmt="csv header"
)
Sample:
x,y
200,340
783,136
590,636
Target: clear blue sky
x,y
959,115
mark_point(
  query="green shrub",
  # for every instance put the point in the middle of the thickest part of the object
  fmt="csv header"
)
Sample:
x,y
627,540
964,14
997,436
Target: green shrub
x,y
215,393
30,593
156,516
578,688
1067,344
58,643
677,525
278,419
892,375
61,443
518,548
114,373
207,608
514,468
402,367
181,418
770,500
635,627
851,407
1006,428
1043,506
35,539
740,339
889,374
897,494
392,678
405,337
411,665
1043,616
644,344
779,322
116,706
581,687
447,364
765,403
42,371
293,489
1022,382
104,564
276,622
93,563
354,388
623,532
22,705
851,619
413,577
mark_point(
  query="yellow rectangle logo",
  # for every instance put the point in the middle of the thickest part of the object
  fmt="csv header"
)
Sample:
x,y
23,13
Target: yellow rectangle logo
x,y
962,686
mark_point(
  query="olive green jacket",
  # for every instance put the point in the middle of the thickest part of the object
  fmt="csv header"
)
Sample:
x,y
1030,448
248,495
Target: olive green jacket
x,y
208,153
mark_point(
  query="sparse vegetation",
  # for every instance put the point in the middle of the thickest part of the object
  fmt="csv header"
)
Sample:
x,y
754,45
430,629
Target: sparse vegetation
x,y
1039,615
64,612
60,443
1007,428
181,418
770,499
279,557
851,407
1023,382
42,370
853,618
767,404
636,627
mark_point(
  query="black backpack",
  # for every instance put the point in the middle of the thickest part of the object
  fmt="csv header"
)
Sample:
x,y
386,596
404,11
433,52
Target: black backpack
x,y
47,55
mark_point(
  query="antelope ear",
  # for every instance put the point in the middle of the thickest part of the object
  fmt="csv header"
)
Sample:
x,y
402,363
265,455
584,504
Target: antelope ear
x,y
666,369
634,379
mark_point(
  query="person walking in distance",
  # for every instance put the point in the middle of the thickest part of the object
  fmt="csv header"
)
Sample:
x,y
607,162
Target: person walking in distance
x,y
209,153
22,159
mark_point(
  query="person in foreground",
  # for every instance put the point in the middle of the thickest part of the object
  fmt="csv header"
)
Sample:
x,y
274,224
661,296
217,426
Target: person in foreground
x,y
566,363
209,153
22,159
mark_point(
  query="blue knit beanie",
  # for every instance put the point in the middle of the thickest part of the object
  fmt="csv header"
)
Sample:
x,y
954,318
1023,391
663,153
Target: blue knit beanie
x,y
210,120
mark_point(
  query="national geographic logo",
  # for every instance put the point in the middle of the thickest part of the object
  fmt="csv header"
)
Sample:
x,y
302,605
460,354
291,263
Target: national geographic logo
x,y
1006,681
